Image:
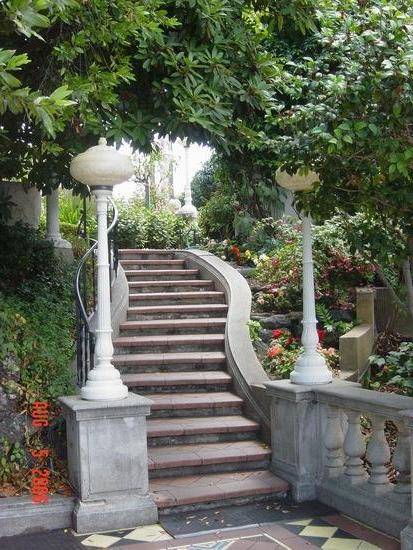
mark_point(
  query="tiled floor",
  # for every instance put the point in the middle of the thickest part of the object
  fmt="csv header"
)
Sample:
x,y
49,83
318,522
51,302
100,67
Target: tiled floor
x,y
258,526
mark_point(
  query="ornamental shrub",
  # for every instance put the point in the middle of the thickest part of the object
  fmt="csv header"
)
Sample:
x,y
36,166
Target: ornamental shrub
x,y
142,227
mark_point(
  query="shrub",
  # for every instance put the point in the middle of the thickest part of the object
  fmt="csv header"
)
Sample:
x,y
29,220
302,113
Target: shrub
x,y
24,257
392,372
216,217
141,227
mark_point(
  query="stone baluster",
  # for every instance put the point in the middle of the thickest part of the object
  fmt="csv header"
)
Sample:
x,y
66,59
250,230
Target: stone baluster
x,y
401,460
333,441
378,454
354,449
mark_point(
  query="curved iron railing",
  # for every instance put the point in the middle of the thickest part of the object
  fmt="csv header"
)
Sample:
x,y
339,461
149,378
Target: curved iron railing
x,y
85,292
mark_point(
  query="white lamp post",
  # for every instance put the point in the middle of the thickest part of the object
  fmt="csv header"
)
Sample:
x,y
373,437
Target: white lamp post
x,y
188,209
311,367
101,167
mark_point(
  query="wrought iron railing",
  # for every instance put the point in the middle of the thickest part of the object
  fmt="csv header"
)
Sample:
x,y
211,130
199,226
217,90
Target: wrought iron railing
x,y
85,291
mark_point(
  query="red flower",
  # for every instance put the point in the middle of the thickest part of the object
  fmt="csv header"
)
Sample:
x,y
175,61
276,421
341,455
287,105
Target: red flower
x,y
277,333
273,352
235,250
321,334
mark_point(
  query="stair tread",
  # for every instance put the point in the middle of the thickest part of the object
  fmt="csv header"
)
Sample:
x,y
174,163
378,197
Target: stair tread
x,y
172,357
179,294
161,427
141,272
178,308
174,323
175,456
180,282
168,339
192,400
146,251
156,261
184,490
176,378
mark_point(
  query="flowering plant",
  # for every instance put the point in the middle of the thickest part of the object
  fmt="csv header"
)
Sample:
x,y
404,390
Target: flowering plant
x,y
284,350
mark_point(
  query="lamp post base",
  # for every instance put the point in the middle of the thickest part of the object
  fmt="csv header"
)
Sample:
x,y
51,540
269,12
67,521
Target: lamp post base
x,y
104,390
311,369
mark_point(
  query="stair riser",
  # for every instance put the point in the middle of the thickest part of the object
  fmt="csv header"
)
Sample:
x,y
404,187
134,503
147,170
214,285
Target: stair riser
x,y
169,288
185,413
281,496
180,388
201,438
147,256
170,348
168,331
174,300
164,277
208,469
174,315
173,367
131,264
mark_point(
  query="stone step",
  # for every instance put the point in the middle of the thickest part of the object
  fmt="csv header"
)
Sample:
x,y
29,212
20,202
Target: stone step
x,y
171,286
153,264
170,298
215,489
176,311
145,254
203,403
160,274
179,381
169,343
173,326
178,361
207,458
176,431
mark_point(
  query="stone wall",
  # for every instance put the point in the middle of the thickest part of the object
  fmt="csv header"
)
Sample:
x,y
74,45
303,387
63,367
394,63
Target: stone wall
x,y
27,202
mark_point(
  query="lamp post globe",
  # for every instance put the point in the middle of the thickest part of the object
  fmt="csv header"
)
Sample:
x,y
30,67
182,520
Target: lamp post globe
x,y
101,167
311,367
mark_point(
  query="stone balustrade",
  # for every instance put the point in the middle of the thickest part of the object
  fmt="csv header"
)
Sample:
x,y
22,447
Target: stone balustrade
x,y
338,450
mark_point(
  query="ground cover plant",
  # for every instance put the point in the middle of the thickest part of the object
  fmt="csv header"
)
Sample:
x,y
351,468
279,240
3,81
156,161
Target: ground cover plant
x,y
36,350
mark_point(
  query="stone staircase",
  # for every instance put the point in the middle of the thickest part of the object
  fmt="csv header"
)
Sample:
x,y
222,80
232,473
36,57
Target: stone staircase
x,y
203,451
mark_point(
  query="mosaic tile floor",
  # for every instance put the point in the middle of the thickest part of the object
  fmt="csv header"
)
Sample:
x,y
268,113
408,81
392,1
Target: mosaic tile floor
x,y
259,526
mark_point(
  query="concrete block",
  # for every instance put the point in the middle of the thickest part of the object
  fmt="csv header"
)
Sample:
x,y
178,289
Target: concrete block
x,y
295,437
27,202
355,348
406,537
108,463
365,298
19,515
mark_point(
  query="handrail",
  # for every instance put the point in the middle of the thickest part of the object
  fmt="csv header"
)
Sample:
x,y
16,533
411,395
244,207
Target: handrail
x,y
85,337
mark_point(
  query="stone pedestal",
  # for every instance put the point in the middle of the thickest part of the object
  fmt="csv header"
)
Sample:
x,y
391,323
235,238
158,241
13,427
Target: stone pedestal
x,y
62,247
108,464
295,437
406,536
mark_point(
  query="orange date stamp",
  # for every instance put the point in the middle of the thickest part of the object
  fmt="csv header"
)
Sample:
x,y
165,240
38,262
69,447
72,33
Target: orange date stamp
x,y
39,486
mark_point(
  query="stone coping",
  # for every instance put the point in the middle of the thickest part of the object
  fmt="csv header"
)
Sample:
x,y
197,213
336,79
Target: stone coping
x,y
132,405
19,515
346,395
241,358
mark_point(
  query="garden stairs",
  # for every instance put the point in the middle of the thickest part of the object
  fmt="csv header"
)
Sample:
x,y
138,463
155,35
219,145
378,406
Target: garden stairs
x,y
202,449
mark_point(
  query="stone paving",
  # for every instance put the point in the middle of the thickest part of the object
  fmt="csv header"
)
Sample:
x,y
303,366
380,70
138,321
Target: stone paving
x,y
258,526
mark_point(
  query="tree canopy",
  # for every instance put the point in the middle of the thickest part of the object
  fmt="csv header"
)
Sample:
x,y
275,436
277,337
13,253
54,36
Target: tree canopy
x,y
187,68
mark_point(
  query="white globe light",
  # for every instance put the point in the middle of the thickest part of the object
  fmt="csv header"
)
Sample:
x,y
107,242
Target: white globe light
x,y
101,165
298,181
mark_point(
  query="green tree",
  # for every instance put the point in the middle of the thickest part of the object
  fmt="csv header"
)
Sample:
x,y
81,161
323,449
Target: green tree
x,y
348,114
184,68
